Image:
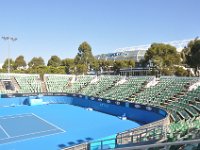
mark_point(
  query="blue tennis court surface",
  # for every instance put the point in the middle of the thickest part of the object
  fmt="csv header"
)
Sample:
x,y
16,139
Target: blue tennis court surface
x,y
43,127
25,126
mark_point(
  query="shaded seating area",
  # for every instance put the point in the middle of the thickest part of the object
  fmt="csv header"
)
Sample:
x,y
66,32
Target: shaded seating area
x,y
57,83
77,83
173,94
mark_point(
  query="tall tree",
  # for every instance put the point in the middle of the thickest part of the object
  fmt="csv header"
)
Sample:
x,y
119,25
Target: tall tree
x,y
20,62
85,56
81,69
191,53
69,65
36,61
162,55
54,61
12,64
67,62
119,64
130,63
105,65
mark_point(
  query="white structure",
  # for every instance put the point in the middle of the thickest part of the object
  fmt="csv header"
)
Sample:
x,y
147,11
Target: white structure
x,y
178,44
1,64
137,52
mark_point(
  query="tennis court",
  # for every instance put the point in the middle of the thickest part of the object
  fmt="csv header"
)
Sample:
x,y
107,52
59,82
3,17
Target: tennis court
x,y
54,126
20,127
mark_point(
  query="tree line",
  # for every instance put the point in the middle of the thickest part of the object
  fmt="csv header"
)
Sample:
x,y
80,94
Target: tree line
x,y
163,57
83,63
168,61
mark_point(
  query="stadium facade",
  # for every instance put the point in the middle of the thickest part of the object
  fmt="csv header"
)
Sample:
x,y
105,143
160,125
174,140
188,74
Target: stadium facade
x,y
136,55
137,52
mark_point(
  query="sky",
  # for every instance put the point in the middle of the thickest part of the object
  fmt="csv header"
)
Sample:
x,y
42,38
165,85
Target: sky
x,y
57,27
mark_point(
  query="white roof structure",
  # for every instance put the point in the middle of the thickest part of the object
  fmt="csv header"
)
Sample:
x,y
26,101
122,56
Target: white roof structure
x,y
178,44
1,64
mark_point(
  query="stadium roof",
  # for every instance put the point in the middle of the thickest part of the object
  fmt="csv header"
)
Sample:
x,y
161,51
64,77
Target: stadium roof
x,y
178,44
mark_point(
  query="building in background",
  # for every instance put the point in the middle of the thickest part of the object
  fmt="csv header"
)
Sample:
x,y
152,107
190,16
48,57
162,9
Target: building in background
x,y
136,55
137,52
1,65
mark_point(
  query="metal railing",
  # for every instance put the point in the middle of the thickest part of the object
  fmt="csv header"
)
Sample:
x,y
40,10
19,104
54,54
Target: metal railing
x,y
166,146
188,144
127,137
151,132
83,146
139,137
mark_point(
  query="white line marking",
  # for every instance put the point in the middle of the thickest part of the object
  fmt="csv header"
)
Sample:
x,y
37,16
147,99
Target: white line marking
x,y
4,131
34,133
11,137
14,115
30,138
48,122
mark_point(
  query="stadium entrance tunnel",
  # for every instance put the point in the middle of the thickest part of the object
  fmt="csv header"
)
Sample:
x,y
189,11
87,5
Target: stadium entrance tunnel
x,y
141,114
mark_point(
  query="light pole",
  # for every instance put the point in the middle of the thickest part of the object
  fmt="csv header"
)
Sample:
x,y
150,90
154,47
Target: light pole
x,y
9,38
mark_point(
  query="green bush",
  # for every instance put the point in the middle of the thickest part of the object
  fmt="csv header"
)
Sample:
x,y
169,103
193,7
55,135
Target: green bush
x,y
180,72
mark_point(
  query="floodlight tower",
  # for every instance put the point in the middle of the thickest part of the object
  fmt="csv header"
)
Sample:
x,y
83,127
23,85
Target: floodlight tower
x,y
8,39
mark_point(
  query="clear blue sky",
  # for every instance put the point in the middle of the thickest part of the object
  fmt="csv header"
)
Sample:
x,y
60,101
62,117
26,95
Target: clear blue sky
x,y
57,27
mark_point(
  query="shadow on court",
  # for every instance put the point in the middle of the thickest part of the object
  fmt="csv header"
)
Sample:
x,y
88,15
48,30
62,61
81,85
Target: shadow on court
x,y
71,143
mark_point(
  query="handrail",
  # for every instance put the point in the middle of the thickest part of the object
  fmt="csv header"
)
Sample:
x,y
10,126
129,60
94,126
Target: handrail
x,y
153,134
164,145
163,122
82,146
85,146
143,147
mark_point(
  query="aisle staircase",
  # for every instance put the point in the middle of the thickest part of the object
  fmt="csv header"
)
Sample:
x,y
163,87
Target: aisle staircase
x,y
1,87
43,86
15,84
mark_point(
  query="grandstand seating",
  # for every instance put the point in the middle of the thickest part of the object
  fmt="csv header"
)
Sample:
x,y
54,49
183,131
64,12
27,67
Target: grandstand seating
x,y
100,86
57,83
78,83
27,83
184,129
122,91
170,93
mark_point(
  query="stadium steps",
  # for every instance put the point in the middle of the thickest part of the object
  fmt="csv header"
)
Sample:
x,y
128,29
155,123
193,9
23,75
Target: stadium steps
x,y
175,117
95,79
16,85
192,111
184,114
104,85
2,88
78,82
197,107
43,86
82,87
141,90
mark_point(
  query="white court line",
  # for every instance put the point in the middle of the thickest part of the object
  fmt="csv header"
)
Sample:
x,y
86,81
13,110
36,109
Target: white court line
x,y
17,117
11,137
26,139
8,116
4,131
48,122
34,133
